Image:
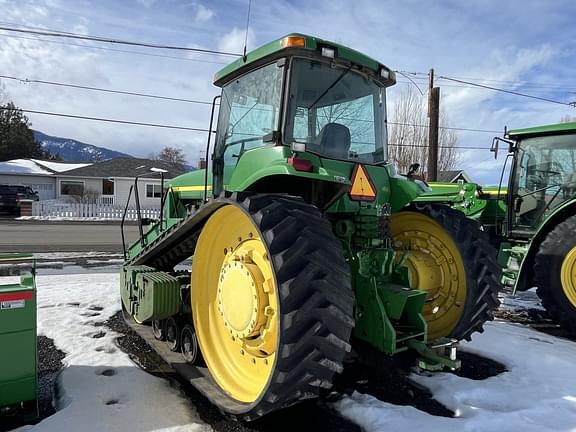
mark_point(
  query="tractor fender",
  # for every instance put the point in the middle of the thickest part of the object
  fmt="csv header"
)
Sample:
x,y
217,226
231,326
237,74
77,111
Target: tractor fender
x,y
273,161
526,273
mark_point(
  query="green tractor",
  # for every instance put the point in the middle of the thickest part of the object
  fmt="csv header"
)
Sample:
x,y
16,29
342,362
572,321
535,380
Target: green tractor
x,y
303,240
533,219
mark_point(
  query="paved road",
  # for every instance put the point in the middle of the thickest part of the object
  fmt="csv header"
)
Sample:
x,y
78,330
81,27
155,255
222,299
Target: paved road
x,y
24,236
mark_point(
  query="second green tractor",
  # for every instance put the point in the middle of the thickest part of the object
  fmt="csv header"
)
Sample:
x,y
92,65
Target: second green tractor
x,y
532,220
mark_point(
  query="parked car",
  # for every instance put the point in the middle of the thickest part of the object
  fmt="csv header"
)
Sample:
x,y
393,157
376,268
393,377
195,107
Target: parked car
x,y
11,195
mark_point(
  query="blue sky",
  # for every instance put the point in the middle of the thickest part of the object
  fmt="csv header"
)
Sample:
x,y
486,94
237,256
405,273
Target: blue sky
x,y
527,46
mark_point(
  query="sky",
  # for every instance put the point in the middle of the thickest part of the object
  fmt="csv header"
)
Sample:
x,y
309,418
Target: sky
x,y
526,46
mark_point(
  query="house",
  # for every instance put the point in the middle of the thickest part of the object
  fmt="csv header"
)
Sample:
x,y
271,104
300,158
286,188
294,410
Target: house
x,y
106,182
109,182
454,176
39,175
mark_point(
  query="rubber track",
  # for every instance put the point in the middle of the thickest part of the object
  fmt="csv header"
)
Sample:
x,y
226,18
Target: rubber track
x,y
547,267
316,299
481,265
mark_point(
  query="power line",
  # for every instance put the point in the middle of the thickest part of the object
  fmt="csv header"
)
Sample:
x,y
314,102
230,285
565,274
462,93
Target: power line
x,y
517,82
107,120
104,90
56,33
447,127
201,102
114,49
505,91
164,126
440,146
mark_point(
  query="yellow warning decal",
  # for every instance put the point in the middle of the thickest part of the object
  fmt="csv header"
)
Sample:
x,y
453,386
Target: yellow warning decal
x,y
362,187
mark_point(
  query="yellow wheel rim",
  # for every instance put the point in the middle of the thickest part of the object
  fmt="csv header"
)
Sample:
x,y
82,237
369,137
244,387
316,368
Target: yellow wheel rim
x,y
235,304
435,265
568,275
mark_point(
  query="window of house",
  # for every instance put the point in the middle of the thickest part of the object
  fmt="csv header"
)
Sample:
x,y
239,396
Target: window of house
x,y
153,191
71,188
107,187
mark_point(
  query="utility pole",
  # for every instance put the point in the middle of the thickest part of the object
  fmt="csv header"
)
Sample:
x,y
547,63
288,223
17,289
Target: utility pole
x,y
434,116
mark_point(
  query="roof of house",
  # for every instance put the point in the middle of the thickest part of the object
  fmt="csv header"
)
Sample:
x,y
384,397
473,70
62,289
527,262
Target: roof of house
x,y
36,166
449,175
126,167
59,166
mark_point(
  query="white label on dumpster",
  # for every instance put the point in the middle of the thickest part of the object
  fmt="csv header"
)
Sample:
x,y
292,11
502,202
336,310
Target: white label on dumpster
x,y
13,304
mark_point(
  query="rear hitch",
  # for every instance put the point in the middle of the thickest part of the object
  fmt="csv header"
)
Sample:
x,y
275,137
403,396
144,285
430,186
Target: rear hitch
x,y
438,356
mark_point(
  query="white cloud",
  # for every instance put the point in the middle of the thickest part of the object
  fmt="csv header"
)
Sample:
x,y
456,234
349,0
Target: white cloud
x,y
233,41
203,14
146,3
511,65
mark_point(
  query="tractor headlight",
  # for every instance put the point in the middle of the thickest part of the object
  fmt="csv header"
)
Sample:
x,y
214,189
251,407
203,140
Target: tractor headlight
x,y
328,52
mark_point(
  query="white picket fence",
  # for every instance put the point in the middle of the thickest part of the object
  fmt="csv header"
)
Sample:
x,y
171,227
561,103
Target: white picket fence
x,y
78,210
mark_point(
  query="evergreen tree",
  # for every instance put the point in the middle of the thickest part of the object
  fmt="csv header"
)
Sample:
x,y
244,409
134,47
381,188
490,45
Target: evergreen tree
x,y
16,137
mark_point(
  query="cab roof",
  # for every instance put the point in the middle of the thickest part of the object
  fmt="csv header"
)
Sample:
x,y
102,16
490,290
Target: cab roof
x,y
279,46
551,129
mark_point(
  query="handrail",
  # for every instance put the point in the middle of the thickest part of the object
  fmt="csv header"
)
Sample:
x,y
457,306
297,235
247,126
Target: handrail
x,y
123,219
162,196
208,147
139,212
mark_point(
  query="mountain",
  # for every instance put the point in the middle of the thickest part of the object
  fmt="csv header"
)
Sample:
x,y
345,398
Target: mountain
x,y
72,150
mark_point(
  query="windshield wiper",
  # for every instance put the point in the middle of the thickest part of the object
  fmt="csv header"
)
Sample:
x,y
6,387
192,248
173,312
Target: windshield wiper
x,y
336,81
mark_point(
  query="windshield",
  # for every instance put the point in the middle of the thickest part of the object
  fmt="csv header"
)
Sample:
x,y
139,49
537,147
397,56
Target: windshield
x,y
249,110
545,177
337,112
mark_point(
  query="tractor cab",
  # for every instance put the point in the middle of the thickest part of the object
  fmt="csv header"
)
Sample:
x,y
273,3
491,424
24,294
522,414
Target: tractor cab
x,y
543,175
307,95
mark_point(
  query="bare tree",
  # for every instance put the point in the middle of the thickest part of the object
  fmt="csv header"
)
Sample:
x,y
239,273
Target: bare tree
x,y
3,94
88,196
408,139
567,119
174,156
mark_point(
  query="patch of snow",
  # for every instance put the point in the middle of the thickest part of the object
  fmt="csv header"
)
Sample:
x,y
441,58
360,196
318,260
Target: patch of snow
x,y
522,300
70,255
22,166
538,394
67,218
60,166
100,388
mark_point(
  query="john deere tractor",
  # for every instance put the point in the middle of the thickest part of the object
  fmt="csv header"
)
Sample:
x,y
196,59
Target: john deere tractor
x,y
533,219
303,240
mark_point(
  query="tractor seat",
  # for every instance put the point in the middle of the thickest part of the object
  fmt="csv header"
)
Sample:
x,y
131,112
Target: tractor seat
x,y
334,141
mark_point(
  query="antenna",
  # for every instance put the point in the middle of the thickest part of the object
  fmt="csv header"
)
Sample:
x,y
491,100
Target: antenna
x,y
247,26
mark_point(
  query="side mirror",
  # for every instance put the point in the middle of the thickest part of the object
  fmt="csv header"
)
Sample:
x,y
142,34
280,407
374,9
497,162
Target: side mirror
x,y
494,147
413,169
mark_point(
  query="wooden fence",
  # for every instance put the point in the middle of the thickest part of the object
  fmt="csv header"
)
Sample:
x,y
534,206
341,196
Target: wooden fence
x,y
78,210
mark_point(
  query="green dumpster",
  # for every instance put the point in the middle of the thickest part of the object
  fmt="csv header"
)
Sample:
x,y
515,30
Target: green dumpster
x,y
18,351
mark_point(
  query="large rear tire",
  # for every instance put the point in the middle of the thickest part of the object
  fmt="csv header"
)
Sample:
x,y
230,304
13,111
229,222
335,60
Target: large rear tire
x,y
555,273
272,302
451,259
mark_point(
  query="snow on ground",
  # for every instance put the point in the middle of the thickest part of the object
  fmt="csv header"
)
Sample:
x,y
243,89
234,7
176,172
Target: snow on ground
x,y
537,394
74,255
523,300
100,388
68,218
